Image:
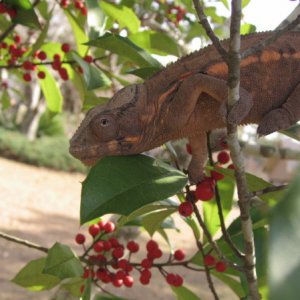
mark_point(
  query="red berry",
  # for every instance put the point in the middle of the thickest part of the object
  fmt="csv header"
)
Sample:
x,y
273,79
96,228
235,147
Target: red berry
x,y
102,224
64,75
98,247
3,45
2,8
80,238
133,247
128,281
144,280
156,253
27,77
42,55
12,48
109,227
56,65
41,74
107,245
146,263
171,278
17,39
179,254
118,252
120,274
204,190
123,263
65,47
223,157
84,11
12,13
117,282
185,209
216,175
221,266
151,246
78,4
231,166
27,65
178,281
56,57
94,230
88,59
146,273
114,242
64,3
101,273
81,288
209,260
188,148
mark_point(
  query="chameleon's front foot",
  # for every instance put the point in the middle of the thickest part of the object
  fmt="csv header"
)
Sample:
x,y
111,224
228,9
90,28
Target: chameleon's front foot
x,y
239,110
195,174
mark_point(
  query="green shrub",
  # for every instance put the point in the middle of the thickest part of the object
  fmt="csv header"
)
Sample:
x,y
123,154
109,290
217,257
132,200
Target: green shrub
x,y
51,152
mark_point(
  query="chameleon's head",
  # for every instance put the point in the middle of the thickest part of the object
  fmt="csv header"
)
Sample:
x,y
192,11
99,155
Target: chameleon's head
x,y
111,129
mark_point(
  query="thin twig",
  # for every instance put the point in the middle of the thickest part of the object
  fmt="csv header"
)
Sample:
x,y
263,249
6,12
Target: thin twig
x,y
235,150
265,43
204,22
225,233
268,189
26,243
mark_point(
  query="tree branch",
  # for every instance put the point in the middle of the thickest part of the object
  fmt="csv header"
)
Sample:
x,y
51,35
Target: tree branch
x,y
23,242
235,150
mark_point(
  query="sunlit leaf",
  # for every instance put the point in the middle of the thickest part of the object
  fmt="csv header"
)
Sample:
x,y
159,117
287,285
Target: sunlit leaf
x,y
183,293
123,184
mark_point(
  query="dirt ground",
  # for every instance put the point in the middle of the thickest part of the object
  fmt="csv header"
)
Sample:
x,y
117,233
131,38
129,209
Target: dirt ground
x,y
42,206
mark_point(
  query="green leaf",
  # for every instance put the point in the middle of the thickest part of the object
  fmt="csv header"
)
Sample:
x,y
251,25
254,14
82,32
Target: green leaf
x,y
62,262
32,278
73,285
40,40
152,222
284,244
51,91
144,73
21,4
293,132
123,15
124,47
247,28
27,17
87,290
183,293
96,19
79,33
155,42
210,208
245,3
93,77
5,100
123,184
142,211
231,282
225,2
107,297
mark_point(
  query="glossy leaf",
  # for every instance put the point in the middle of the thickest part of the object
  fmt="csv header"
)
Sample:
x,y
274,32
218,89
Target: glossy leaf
x,y
210,208
123,15
153,221
155,42
247,28
123,184
183,293
79,33
284,244
27,17
231,282
51,91
62,262
94,77
32,278
125,48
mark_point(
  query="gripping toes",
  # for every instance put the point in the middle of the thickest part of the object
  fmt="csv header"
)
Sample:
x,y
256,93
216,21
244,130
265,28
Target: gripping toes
x,y
274,120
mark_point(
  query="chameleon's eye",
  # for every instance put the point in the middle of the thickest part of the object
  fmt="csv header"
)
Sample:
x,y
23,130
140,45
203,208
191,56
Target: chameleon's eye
x,y
105,127
104,122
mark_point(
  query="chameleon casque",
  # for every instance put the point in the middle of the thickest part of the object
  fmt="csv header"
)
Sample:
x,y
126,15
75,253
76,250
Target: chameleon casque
x,y
187,99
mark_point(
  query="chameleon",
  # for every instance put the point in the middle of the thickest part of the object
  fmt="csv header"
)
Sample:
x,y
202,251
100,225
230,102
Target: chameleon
x,y
187,99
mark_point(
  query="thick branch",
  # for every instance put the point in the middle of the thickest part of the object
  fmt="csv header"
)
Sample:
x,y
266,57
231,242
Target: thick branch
x,y
235,150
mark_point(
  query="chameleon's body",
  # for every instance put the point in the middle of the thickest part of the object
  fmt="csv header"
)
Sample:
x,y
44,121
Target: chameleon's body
x,y
185,100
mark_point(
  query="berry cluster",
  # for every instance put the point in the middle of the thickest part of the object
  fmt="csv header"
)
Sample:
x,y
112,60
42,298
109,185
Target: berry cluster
x,y
9,10
78,4
176,13
210,261
108,261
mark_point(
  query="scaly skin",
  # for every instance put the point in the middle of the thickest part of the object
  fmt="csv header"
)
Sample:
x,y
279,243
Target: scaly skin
x,y
187,99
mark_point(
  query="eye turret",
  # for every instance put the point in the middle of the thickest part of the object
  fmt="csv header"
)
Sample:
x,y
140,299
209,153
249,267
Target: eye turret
x,y
105,127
